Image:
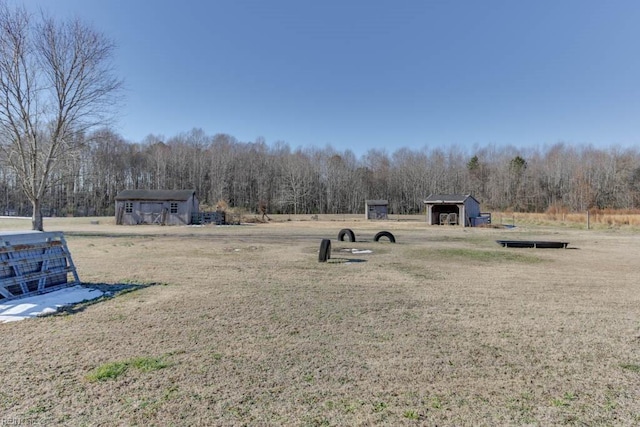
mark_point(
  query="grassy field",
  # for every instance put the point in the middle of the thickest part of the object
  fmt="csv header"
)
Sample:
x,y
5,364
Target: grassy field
x,y
241,325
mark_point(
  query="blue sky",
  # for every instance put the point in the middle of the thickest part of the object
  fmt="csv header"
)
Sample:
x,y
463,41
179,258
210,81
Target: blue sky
x,y
363,75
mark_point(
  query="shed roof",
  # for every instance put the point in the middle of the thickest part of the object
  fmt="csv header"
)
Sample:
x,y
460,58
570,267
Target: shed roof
x,y
448,198
376,202
157,195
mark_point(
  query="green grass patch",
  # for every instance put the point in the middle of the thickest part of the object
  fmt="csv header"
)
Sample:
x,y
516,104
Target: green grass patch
x,y
436,402
412,415
565,400
631,367
485,255
113,370
379,406
108,371
40,409
478,254
147,364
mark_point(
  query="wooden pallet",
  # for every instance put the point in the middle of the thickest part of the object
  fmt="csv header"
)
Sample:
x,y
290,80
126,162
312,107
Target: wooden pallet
x,y
201,218
34,263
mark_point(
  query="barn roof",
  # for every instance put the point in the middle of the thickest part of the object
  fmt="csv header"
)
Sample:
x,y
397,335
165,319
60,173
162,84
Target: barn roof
x,y
376,202
448,198
157,195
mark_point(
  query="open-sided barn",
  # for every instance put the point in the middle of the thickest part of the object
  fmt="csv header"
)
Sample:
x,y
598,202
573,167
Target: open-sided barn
x,y
164,207
454,209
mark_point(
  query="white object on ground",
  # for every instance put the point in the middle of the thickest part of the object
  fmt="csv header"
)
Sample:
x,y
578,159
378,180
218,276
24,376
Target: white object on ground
x,y
37,305
361,251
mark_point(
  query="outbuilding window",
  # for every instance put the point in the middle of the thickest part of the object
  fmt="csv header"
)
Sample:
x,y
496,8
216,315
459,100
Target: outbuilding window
x,y
174,207
128,207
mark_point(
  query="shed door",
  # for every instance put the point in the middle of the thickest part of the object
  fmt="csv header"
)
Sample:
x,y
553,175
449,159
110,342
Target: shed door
x,y
150,213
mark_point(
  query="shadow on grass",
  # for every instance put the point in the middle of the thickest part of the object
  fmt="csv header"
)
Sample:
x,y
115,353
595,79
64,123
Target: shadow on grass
x,y
344,260
108,290
114,235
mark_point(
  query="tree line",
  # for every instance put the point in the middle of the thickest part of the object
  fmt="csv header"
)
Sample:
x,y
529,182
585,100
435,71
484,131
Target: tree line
x,y
246,175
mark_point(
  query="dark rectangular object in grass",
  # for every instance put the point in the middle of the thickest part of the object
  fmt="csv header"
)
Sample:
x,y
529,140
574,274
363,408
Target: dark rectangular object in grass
x,y
540,244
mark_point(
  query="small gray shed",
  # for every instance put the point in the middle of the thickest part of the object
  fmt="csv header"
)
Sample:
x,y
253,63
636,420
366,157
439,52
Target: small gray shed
x,y
375,209
454,209
164,207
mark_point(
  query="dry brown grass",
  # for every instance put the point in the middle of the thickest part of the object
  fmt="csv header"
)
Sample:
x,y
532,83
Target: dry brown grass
x,y
443,328
598,219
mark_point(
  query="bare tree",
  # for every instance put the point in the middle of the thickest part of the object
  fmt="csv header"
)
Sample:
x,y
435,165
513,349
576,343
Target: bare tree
x,y
296,182
107,166
220,156
56,82
408,183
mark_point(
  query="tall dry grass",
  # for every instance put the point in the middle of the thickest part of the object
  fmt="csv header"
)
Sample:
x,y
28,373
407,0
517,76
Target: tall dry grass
x,y
597,218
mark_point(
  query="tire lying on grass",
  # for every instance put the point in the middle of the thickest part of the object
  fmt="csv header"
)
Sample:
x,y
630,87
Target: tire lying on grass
x,y
325,250
346,232
386,234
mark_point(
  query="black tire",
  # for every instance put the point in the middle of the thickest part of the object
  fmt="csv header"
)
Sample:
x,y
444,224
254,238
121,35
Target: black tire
x,y
325,250
346,232
385,234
